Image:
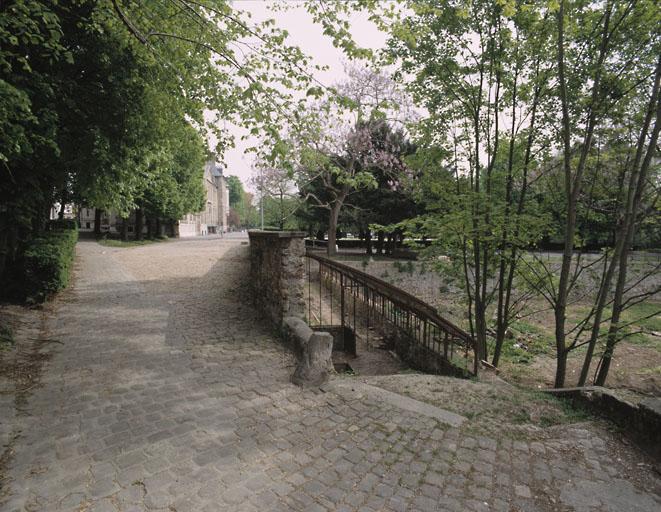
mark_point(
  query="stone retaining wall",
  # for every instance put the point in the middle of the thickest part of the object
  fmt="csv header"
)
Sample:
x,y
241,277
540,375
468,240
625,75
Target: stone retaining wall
x,y
641,422
277,273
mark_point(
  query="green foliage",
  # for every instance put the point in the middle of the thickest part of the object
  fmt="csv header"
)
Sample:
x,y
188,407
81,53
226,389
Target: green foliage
x,y
278,213
111,242
407,267
48,261
6,337
236,191
103,104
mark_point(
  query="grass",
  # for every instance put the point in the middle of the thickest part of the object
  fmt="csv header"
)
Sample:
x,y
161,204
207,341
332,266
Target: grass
x,y
639,312
113,242
644,316
537,340
650,371
407,266
570,412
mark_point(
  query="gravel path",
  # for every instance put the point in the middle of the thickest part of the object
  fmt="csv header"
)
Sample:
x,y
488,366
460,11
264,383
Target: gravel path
x,y
165,391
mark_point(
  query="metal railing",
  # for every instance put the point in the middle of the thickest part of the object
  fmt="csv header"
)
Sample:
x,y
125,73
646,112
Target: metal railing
x,y
418,326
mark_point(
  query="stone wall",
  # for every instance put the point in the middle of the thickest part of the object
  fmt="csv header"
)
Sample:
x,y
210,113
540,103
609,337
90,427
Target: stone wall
x,y
277,273
641,422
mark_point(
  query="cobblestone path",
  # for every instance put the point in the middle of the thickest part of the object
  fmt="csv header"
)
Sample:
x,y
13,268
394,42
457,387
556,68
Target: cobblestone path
x,y
164,391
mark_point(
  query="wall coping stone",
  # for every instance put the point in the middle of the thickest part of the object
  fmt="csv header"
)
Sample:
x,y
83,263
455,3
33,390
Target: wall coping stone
x,y
276,234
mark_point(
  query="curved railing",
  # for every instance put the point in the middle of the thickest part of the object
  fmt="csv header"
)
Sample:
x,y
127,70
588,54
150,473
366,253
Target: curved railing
x,y
424,338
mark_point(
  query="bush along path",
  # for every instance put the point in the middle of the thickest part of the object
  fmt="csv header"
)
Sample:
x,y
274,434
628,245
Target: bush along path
x,y
46,266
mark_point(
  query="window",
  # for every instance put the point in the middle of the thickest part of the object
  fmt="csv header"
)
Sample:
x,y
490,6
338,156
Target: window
x,y
87,225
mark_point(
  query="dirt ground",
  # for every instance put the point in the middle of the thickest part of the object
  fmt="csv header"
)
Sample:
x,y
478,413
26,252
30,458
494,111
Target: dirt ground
x,y
528,357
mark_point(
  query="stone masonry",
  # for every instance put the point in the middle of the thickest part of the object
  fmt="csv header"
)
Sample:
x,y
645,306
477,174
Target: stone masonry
x,y
277,273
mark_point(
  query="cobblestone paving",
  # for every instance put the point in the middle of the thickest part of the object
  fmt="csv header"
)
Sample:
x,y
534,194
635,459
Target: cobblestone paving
x,y
166,392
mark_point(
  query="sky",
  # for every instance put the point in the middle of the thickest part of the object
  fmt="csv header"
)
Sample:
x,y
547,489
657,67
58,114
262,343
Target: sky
x,y
309,37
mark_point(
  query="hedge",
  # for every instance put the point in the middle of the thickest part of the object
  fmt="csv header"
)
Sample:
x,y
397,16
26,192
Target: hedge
x,y
48,261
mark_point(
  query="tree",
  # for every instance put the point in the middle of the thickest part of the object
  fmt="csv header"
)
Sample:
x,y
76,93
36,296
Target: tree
x,y
628,222
235,188
30,38
478,69
242,212
392,201
93,93
333,146
604,52
276,188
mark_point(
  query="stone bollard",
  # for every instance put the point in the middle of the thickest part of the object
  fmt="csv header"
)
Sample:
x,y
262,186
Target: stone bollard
x,y
314,352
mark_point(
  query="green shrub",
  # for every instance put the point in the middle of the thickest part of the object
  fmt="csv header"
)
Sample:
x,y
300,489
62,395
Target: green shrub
x,y
6,337
61,224
47,263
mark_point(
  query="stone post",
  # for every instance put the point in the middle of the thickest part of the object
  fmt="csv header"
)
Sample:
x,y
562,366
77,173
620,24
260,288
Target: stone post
x,y
277,273
314,352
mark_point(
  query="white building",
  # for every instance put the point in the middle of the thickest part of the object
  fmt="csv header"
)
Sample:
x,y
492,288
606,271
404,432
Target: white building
x,y
214,218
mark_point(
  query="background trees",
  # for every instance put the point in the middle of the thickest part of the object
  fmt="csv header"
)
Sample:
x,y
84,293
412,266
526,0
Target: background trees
x,y
103,104
243,213
333,150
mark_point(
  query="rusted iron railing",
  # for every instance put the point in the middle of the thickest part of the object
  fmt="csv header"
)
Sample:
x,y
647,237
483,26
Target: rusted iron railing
x,y
422,337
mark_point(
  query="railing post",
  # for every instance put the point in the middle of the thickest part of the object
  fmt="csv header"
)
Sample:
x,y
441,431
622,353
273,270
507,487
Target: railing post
x,y
342,306
424,334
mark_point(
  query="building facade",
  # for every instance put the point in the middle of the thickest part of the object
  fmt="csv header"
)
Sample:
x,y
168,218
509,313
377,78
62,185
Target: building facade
x,y
212,220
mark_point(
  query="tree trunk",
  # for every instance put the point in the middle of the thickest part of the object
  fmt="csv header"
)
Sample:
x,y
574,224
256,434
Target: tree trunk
x,y
332,228
158,227
480,329
139,222
572,184
150,227
368,242
379,242
124,229
639,180
97,221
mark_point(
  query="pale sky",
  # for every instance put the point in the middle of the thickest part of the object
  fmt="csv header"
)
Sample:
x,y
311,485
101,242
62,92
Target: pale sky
x,y
309,37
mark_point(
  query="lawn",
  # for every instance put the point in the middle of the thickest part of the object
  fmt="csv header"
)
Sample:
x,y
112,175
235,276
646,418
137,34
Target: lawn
x,y
113,242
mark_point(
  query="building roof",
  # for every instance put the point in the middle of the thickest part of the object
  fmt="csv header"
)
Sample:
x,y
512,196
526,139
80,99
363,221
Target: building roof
x,y
214,169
